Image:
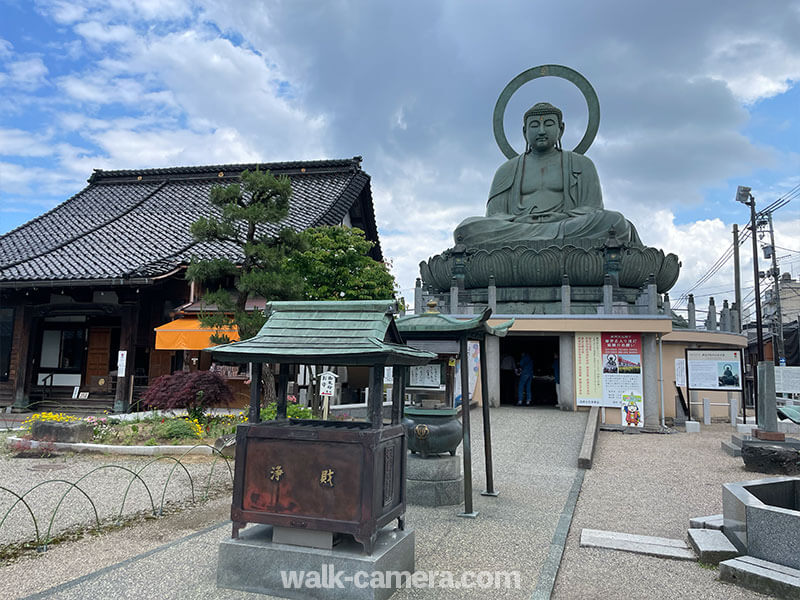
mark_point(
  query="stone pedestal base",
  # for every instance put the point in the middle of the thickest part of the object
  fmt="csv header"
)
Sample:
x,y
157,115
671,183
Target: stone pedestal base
x,y
253,563
434,481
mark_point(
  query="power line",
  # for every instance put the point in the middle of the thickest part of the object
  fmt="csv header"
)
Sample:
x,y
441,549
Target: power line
x,y
746,232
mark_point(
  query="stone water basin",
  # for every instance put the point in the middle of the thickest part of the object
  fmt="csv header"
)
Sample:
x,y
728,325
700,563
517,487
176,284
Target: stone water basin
x,y
762,518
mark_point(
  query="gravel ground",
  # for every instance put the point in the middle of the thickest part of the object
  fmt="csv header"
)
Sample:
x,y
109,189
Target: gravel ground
x,y
44,481
643,484
649,485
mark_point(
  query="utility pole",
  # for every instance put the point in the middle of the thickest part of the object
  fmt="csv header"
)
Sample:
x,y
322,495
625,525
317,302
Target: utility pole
x,y
777,336
737,279
744,196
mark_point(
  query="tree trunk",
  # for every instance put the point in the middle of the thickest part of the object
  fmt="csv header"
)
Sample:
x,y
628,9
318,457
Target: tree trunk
x,y
268,385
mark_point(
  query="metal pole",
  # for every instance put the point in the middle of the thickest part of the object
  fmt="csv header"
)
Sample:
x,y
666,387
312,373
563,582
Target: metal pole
x,y
661,377
398,393
487,427
254,415
466,448
777,344
737,278
283,380
375,408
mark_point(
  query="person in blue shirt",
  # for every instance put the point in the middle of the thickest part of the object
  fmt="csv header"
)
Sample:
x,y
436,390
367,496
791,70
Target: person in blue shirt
x,y
525,378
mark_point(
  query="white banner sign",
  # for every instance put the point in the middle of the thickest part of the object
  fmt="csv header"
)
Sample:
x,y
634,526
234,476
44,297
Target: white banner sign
x,y
680,372
327,383
122,362
714,369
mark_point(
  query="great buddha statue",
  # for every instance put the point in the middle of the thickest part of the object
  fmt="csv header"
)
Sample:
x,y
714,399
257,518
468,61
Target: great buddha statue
x,y
545,193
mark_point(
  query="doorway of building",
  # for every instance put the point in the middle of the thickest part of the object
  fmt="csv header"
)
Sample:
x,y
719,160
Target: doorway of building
x,y
542,350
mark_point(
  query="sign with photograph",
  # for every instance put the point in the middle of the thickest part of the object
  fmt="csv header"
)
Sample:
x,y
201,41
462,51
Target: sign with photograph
x,y
714,369
622,367
588,380
608,369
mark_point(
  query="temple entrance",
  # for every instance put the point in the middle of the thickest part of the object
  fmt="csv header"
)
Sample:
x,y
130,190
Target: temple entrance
x,y
542,350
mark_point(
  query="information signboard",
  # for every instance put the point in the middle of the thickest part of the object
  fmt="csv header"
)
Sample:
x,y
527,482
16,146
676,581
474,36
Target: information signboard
x,y
714,369
787,380
588,379
428,376
608,372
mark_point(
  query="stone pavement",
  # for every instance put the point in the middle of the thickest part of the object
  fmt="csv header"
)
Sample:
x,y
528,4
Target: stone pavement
x,y
535,457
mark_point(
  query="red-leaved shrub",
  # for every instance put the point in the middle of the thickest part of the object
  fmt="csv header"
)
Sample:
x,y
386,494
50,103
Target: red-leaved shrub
x,y
195,391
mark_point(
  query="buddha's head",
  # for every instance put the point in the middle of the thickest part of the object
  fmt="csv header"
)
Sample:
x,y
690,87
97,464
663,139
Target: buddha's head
x,y
542,126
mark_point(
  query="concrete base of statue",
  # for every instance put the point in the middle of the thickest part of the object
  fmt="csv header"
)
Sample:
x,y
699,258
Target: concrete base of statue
x,y
254,563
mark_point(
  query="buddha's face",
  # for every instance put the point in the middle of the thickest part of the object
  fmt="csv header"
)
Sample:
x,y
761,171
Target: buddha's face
x,y
542,132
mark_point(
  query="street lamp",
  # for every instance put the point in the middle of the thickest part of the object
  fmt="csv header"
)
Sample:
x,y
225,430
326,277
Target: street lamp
x,y
744,196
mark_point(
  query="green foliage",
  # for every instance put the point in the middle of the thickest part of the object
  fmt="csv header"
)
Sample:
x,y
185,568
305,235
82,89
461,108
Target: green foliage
x,y
293,411
248,213
175,429
335,265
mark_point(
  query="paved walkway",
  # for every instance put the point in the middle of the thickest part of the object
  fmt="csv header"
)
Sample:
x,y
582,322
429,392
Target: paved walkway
x,y
535,457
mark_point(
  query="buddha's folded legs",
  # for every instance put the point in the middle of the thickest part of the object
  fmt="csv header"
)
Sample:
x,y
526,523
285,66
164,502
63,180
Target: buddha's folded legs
x,y
480,231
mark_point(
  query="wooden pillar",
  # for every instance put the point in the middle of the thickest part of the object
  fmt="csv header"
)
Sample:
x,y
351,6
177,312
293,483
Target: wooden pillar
x,y
487,428
466,448
24,359
254,415
127,342
283,380
375,409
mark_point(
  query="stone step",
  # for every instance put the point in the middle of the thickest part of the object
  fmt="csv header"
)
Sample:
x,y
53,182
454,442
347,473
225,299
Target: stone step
x,y
731,448
737,439
711,546
640,544
761,576
709,522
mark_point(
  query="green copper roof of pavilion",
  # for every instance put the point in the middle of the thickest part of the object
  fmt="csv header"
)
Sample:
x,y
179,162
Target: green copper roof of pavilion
x,y
332,333
432,324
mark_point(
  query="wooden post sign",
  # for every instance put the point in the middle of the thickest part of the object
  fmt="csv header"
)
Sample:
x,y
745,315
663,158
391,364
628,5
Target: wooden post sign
x,y
327,388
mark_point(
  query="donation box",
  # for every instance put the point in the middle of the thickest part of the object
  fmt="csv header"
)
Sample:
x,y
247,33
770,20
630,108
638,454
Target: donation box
x,y
343,477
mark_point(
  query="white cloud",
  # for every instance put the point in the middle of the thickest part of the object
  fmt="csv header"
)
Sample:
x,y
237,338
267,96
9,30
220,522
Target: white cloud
x,y
27,73
22,143
5,48
99,33
15,179
754,66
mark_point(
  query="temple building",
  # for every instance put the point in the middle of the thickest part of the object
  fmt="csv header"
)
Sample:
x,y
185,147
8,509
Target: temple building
x,y
84,286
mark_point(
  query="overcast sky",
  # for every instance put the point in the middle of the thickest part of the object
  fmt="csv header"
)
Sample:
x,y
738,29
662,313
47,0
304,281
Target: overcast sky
x,y
696,98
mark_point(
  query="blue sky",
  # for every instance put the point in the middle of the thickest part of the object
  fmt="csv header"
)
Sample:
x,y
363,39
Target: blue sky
x,y
695,100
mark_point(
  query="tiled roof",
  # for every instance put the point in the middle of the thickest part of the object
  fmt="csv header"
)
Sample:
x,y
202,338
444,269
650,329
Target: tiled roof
x,y
135,224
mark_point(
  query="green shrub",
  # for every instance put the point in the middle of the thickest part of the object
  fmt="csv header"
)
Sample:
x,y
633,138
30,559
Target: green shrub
x,y
293,411
175,429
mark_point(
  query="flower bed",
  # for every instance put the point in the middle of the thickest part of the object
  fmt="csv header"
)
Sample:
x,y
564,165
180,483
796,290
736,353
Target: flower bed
x,y
158,430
